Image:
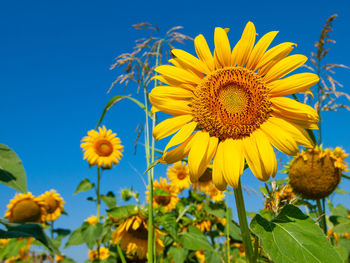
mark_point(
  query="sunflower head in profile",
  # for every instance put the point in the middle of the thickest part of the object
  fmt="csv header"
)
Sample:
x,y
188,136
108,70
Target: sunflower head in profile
x,y
102,148
26,208
103,254
167,202
315,173
179,176
53,203
132,236
230,106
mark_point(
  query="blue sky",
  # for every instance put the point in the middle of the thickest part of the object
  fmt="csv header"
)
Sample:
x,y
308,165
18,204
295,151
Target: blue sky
x,y
55,59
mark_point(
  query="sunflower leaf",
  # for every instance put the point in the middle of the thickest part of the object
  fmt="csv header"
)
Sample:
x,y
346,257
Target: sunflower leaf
x,y
76,238
168,222
12,172
178,254
160,192
194,239
84,185
109,199
121,212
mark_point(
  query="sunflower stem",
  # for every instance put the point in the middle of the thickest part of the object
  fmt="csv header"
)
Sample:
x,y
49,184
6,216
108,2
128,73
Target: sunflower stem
x,y
121,255
243,223
322,215
98,204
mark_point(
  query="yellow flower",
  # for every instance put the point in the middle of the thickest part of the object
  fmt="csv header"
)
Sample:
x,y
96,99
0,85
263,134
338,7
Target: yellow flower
x,y
231,107
4,241
215,194
168,202
178,175
103,251
102,148
59,258
54,205
26,208
204,182
200,256
240,247
315,173
204,226
92,220
132,235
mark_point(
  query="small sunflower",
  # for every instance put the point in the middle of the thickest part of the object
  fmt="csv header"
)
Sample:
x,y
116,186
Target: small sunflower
x,y
204,226
315,173
200,256
178,175
231,107
102,148
240,246
103,251
4,241
60,258
168,202
215,194
204,183
26,208
92,220
54,205
132,236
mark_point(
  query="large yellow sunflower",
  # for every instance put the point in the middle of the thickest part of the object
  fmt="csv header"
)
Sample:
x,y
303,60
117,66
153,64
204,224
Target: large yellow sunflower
x,y
179,176
26,208
230,106
54,204
168,202
132,235
102,148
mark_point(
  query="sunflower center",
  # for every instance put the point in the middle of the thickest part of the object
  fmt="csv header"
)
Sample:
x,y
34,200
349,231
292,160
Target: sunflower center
x,y
206,177
231,103
181,174
140,233
51,204
162,199
26,211
104,148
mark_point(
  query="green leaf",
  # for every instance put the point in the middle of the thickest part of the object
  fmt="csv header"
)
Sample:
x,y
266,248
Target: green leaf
x,y
212,256
339,210
160,192
76,238
168,222
194,239
91,233
12,172
342,228
27,230
114,100
293,237
178,254
214,210
109,199
343,253
85,185
152,165
341,191
122,212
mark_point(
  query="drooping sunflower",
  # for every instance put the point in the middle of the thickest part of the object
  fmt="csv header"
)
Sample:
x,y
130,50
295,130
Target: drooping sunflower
x,y
167,202
179,176
102,148
54,204
230,106
103,251
132,235
26,208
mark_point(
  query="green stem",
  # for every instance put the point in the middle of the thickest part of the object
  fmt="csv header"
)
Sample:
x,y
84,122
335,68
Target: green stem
x,y
98,204
322,215
243,223
121,255
51,229
227,231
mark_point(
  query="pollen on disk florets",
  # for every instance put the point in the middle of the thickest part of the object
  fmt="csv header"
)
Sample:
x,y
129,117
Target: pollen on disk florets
x,y
315,173
231,102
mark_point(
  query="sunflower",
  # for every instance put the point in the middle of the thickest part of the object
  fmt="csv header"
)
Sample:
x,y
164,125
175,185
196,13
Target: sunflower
x,y
168,202
102,148
132,235
200,256
26,208
60,258
92,220
178,175
230,106
315,173
240,246
103,251
204,182
204,226
54,205
215,194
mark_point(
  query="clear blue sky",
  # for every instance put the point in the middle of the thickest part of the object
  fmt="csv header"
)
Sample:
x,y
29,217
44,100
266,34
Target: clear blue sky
x,y
54,68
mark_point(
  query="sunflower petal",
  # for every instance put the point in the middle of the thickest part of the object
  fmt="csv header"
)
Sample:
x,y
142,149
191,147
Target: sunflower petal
x,y
244,45
181,135
182,65
170,92
233,161
203,51
260,155
296,83
172,82
222,47
218,169
170,126
177,153
259,49
178,74
191,60
285,66
171,106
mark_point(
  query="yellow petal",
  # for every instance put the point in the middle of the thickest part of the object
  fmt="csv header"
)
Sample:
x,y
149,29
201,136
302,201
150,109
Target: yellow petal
x,y
218,169
296,83
197,155
182,65
233,161
181,135
292,109
273,55
191,60
259,49
178,74
172,82
306,124
285,66
178,153
170,126
283,141
171,92
171,106
154,110
222,47
260,155
203,52
241,52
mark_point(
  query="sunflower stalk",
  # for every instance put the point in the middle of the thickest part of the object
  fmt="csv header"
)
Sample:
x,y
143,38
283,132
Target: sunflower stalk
x,y
98,204
243,223
322,215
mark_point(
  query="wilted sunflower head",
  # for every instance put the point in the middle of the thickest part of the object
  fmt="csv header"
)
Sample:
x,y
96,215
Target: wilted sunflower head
x,y
315,173
229,106
53,204
26,208
102,148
